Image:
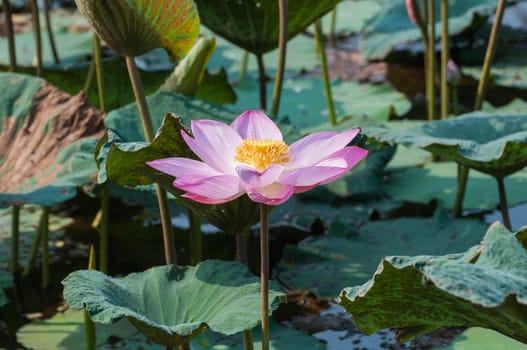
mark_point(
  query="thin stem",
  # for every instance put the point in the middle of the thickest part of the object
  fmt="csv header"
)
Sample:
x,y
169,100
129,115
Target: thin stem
x,y
45,247
455,99
264,273
89,77
103,228
503,204
34,247
10,35
241,248
332,25
282,50
49,29
244,65
445,55
195,238
325,75
15,233
89,326
421,22
431,61
148,129
97,58
489,56
262,80
462,176
38,36
248,342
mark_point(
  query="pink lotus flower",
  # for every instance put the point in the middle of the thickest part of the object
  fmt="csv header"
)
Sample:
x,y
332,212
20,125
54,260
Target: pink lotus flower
x,y
250,156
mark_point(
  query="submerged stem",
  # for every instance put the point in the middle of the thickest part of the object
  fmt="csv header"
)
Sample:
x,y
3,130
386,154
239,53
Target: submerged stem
x,y
15,234
148,128
282,49
49,29
262,82
264,273
503,204
489,56
10,33
38,36
325,75
445,55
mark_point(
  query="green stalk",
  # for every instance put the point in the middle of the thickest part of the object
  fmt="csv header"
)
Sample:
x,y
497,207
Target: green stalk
x,y
89,77
462,176
332,25
38,36
489,56
89,326
323,62
45,247
195,238
262,82
503,204
431,61
445,55
248,342
241,256
97,58
264,273
243,68
282,50
10,35
148,129
50,32
103,228
34,247
15,233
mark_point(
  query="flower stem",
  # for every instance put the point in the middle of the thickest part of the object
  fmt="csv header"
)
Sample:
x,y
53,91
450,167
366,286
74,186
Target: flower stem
x,y
264,273
241,256
89,78
195,238
503,204
45,247
323,62
489,56
462,176
248,342
148,128
34,247
15,234
103,228
445,55
244,64
89,326
332,25
97,59
262,81
10,35
431,61
49,29
282,49
38,36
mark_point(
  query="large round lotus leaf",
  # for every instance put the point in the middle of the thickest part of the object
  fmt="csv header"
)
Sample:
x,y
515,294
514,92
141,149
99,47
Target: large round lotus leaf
x,y
391,26
47,139
134,27
253,24
493,144
485,287
476,338
172,304
324,264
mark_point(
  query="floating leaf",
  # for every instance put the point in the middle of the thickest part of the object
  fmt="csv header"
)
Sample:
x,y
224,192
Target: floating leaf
x,y
482,338
253,24
132,28
47,141
172,304
391,26
323,264
492,144
485,287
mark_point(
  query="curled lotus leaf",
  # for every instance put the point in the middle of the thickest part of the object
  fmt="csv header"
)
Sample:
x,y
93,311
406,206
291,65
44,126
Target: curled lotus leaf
x,y
493,144
134,27
253,24
173,304
486,286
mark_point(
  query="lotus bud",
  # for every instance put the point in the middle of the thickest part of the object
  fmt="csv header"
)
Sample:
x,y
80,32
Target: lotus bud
x,y
412,11
453,74
134,27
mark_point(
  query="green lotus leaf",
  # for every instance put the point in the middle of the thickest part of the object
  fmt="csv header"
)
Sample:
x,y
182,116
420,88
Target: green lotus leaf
x,y
322,264
253,24
485,287
134,27
477,338
492,144
391,25
47,139
172,304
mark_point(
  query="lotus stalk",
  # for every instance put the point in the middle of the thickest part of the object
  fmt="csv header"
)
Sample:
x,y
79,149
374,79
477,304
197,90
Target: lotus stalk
x,y
49,29
262,81
15,233
503,204
445,57
45,247
195,238
243,66
332,24
282,50
431,60
6,6
319,39
34,246
38,36
89,326
97,59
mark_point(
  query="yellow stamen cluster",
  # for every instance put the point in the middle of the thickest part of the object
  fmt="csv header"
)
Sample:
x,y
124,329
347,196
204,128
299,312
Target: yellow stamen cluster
x,y
260,154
